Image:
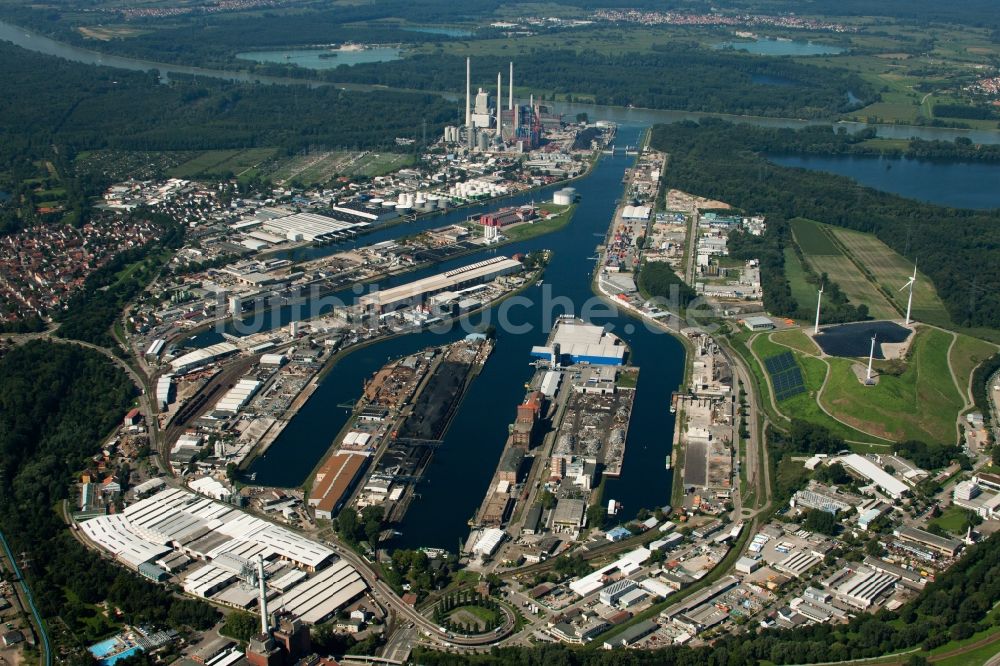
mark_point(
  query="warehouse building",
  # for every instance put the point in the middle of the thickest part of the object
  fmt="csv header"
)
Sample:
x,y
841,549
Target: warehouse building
x,y
942,545
414,293
237,397
865,587
200,357
334,481
575,341
881,479
312,227
164,391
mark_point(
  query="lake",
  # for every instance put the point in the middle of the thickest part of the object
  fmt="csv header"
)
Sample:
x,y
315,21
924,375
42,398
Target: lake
x,y
320,58
946,183
447,32
780,47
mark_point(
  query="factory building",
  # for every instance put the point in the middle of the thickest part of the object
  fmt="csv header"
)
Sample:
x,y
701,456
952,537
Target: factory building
x,y
528,415
416,292
237,397
507,216
575,341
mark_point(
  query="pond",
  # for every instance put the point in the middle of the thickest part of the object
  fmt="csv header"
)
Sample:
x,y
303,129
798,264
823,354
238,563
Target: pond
x,y
854,340
780,47
320,58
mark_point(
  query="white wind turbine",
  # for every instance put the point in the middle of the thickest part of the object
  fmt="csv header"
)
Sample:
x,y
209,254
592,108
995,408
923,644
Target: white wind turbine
x,y
819,301
909,300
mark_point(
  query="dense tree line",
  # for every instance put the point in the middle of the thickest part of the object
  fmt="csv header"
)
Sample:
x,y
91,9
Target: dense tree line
x,y
49,101
57,402
930,456
959,250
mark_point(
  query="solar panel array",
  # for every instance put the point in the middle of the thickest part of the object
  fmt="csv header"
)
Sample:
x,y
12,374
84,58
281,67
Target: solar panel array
x,y
786,377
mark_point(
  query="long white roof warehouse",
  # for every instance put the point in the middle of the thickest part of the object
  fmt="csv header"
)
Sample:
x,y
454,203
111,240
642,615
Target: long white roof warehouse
x,y
886,482
416,291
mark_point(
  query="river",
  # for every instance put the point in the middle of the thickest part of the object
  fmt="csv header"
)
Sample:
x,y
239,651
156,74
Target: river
x,y
458,477
39,43
943,182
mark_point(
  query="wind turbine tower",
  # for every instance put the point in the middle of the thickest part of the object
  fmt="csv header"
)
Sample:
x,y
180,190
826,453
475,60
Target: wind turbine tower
x,y
909,299
871,357
819,301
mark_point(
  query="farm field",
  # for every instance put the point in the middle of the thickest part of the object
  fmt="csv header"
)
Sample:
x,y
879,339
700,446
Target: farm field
x,y
891,271
221,163
896,407
825,257
803,292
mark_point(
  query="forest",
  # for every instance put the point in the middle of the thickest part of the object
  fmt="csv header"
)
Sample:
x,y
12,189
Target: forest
x,y
57,403
49,101
959,250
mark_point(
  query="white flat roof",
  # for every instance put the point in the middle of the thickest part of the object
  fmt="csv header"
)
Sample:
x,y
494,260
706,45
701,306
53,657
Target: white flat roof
x,y
875,474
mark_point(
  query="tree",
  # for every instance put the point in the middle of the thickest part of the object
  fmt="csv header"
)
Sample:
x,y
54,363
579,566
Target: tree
x,y
240,625
822,522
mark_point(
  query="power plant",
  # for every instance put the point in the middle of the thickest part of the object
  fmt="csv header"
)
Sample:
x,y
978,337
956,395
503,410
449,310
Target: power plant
x,y
491,128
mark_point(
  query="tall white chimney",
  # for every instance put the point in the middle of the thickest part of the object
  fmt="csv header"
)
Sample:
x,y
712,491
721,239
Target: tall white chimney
x,y
510,92
499,103
264,620
468,92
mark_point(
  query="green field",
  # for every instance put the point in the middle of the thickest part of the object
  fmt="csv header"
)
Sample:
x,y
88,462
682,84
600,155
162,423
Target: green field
x,y
318,168
953,519
804,405
530,230
890,271
824,256
811,238
896,408
796,339
222,163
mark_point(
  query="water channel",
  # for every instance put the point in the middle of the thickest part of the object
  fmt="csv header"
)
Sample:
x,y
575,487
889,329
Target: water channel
x,y
463,465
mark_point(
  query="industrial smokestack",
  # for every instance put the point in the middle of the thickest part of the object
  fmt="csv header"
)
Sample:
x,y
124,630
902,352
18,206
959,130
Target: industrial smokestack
x,y
499,103
468,93
264,620
510,97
